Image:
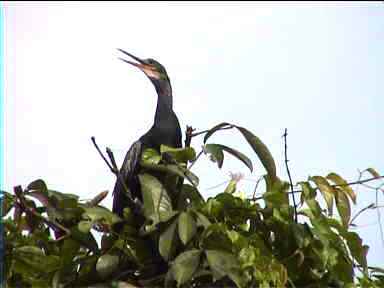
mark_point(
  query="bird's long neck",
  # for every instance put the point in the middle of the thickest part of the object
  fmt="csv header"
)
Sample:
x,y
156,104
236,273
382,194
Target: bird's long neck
x,y
164,100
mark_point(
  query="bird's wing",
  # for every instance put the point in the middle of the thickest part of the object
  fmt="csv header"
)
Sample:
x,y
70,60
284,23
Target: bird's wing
x,y
122,195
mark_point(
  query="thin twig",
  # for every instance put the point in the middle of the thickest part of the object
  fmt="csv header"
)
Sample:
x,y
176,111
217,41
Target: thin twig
x,y
257,184
102,155
379,218
288,172
188,136
370,206
194,161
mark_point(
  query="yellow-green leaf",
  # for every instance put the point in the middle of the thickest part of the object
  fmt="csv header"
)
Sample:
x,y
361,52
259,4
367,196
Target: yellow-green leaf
x,y
373,172
179,154
187,227
343,206
326,190
343,185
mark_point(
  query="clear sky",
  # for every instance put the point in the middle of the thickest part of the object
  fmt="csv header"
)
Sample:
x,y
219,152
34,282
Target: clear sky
x,y
314,68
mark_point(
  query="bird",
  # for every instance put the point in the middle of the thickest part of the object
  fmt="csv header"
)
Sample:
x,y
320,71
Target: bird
x,y
165,130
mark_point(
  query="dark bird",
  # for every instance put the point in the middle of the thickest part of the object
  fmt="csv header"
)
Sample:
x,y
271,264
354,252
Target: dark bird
x,y
165,130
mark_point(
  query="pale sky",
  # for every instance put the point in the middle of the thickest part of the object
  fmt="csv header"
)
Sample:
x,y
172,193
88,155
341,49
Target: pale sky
x,y
314,68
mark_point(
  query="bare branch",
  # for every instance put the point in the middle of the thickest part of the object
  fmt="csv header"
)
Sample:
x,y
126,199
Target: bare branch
x,y
288,172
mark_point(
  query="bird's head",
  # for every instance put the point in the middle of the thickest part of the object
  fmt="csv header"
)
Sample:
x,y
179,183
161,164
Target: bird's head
x,y
153,69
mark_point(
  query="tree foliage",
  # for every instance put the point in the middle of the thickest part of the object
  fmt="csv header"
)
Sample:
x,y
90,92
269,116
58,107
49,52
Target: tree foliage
x,y
186,240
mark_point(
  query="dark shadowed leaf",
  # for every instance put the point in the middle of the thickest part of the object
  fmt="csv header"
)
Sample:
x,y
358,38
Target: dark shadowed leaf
x,y
216,151
189,196
224,264
214,129
358,250
167,241
179,154
343,185
261,151
326,190
185,266
7,202
343,206
38,185
187,227
106,265
155,196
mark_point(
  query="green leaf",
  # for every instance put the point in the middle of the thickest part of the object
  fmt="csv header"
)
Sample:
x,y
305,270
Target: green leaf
x,y
217,155
189,196
308,191
231,187
343,185
202,220
187,227
167,241
326,190
106,265
155,196
151,156
214,129
100,214
185,265
343,206
177,170
84,226
373,172
35,258
261,151
179,154
224,264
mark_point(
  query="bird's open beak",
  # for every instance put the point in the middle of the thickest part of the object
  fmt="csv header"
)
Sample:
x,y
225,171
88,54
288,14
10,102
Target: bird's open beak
x,y
149,70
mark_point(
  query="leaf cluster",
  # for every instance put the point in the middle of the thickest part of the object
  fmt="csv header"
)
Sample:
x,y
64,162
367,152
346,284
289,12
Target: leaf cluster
x,y
53,239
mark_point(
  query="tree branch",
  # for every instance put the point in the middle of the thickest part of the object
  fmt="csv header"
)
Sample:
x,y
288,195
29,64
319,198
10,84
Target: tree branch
x,y
288,172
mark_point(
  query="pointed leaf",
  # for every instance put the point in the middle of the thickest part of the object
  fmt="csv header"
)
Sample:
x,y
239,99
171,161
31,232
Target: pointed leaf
x,y
326,190
343,185
373,172
185,265
261,151
167,241
155,196
214,129
106,265
187,227
343,206
216,151
189,196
